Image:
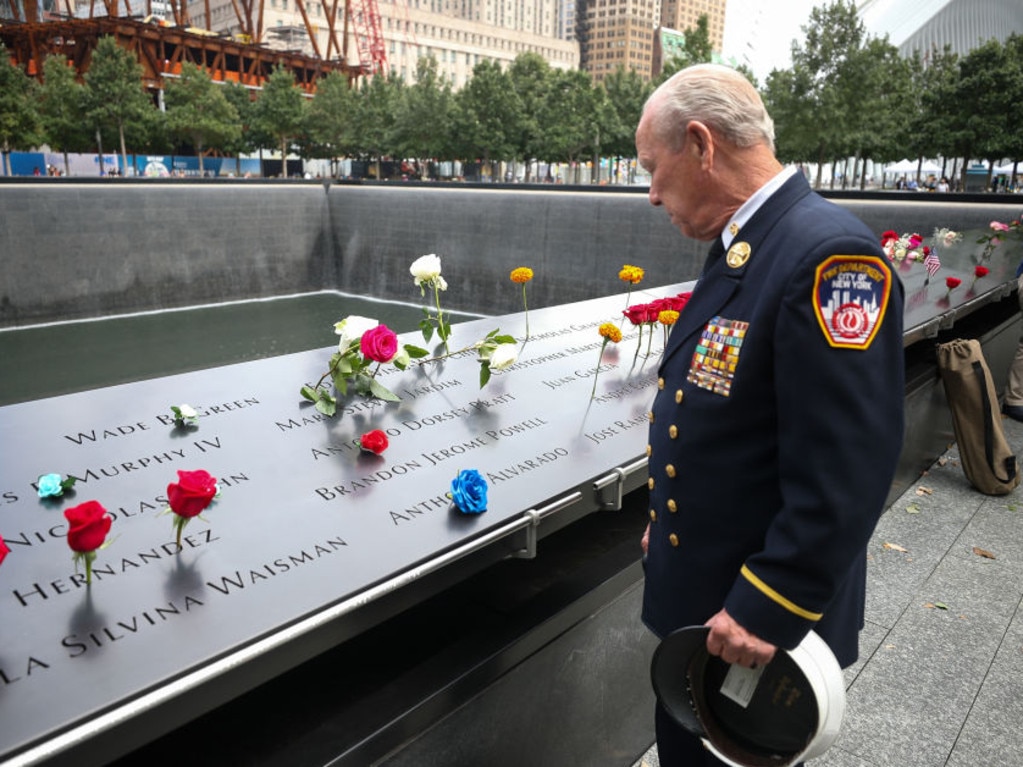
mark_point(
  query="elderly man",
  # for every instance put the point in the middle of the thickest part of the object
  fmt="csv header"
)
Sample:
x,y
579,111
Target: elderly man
x,y
778,423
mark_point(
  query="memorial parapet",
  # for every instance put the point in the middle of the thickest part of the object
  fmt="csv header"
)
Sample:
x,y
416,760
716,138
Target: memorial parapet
x,y
308,529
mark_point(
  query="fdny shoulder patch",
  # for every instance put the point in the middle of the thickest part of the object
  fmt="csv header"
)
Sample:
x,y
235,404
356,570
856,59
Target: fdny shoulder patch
x,y
850,296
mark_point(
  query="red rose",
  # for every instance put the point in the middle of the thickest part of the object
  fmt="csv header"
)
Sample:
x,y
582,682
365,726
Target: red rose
x,y
191,493
635,313
980,271
953,282
89,524
380,344
374,441
4,551
889,236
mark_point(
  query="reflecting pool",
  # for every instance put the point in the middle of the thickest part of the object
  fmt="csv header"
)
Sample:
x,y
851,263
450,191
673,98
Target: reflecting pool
x,y
59,358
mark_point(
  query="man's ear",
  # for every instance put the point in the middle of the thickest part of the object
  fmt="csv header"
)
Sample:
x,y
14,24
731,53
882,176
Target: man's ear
x,y
700,142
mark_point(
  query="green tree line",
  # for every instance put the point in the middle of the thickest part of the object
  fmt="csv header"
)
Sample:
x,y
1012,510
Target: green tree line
x,y
847,98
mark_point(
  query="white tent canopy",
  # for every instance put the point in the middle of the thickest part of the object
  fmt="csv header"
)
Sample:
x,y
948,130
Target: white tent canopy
x,y
902,166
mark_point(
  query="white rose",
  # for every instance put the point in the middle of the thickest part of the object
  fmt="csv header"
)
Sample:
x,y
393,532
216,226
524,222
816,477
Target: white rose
x,y
504,355
427,269
187,411
351,329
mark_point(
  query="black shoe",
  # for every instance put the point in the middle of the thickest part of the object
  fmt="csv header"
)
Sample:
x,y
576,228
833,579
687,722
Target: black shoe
x,y
1015,412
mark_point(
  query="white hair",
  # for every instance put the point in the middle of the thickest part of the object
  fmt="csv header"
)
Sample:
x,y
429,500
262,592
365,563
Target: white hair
x,y
717,96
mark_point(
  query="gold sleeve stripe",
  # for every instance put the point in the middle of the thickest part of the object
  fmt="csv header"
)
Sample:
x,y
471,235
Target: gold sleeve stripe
x,y
770,593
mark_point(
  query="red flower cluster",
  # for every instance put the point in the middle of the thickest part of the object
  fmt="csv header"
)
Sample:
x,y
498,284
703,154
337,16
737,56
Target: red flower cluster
x,y
640,314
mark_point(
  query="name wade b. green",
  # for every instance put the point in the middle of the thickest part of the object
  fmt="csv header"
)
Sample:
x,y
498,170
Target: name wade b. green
x,y
93,436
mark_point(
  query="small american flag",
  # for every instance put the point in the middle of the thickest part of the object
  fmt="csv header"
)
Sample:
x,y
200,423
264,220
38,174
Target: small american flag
x,y
932,263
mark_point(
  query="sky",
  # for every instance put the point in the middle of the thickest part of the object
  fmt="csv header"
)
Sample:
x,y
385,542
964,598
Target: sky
x,y
759,33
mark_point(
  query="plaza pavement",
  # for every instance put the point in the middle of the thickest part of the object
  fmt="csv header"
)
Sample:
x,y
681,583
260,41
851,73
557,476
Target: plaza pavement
x,y
939,682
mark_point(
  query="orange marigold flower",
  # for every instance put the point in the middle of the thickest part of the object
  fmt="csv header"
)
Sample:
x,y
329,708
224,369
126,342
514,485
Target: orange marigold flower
x,y
631,274
521,274
667,317
611,332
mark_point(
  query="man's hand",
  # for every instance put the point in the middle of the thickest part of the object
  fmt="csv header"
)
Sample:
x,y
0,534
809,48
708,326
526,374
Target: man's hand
x,y
734,644
644,542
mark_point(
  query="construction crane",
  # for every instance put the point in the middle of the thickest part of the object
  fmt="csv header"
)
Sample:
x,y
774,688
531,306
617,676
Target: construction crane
x,y
365,17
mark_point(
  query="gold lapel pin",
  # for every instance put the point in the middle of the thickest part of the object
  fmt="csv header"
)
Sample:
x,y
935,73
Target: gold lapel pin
x,y
738,254
733,229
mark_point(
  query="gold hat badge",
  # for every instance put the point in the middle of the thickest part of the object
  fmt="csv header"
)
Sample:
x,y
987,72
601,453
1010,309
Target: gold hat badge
x,y
738,254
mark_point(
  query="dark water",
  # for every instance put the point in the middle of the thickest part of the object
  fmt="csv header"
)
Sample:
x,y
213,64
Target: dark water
x,y
49,360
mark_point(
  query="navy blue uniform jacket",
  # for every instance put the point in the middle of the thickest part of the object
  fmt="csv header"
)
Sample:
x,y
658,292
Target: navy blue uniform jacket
x,y
776,429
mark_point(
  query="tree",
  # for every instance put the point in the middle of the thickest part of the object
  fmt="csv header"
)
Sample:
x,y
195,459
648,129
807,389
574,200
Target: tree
x,y
331,115
116,96
374,117
531,79
19,117
696,50
62,108
819,83
577,112
487,116
280,111
423,115
627,93
240,98
198,113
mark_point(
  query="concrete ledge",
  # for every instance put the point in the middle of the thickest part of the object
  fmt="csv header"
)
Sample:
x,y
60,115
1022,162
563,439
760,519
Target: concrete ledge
x,y
74,250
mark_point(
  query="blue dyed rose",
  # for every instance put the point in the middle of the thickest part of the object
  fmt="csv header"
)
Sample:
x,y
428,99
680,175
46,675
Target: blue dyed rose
x,y
469,492
50,485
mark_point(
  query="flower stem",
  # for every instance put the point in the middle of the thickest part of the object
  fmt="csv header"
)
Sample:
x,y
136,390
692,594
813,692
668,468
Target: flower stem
x,y
88,567
639,341
597,371
649,340
526,309
440,316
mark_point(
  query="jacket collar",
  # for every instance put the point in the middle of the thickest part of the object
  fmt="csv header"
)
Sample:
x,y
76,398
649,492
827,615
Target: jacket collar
x,y
719,281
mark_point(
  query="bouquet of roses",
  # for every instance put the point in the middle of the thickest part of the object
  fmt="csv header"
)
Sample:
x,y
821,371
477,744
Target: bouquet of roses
x,y
365,345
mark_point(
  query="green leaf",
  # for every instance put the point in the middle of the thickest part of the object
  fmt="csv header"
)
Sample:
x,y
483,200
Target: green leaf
x,y
380,391
68,483
912,509
310,393
327,405
505,339
484,373
415,352
340,383
427,327
941,605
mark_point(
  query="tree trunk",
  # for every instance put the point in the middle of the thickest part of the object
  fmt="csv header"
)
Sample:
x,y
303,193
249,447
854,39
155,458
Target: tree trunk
x,y
67,164
124,150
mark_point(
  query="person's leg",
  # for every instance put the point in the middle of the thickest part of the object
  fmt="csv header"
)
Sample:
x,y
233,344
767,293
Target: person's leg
x,y
676,747
1014,388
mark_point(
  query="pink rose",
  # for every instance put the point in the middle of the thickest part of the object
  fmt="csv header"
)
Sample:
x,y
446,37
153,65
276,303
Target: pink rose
x,y
379,344
4,551
192,493
998,226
